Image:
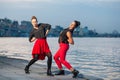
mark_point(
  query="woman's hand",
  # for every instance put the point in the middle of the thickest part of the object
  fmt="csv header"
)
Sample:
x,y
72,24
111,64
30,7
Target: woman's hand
x,y
47,31
33,39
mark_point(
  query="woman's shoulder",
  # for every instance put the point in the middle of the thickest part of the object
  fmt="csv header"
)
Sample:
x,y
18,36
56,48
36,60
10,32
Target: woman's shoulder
x,y
40,24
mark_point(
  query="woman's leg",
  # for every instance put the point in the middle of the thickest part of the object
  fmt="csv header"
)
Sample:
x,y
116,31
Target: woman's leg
x,y
32,61
67,64
57,60
62,55
49,63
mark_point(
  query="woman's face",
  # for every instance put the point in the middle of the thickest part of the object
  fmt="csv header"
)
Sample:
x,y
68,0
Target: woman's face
x,y
34,22
72,25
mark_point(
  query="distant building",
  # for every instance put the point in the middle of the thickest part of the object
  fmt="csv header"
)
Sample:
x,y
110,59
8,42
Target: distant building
x,y
54,32
25,28
85,31
115,33
81,34
76,32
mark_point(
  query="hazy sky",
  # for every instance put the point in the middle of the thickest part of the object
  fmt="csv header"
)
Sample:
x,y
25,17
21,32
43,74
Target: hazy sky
x,y
102,15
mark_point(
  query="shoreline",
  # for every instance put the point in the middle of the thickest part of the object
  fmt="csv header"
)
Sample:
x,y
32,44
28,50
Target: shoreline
x,y
13,69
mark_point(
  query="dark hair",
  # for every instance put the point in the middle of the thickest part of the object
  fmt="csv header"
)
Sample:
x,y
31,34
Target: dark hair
x,y
33,17
77,23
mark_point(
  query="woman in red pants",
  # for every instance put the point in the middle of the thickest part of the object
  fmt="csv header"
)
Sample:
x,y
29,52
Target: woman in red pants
x,y
41,48
65,39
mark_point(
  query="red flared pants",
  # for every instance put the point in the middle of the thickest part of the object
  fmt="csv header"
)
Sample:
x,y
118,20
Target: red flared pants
x,y
60,56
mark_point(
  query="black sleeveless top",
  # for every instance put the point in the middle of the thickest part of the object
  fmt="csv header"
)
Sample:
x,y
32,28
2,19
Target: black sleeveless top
x,y
63,36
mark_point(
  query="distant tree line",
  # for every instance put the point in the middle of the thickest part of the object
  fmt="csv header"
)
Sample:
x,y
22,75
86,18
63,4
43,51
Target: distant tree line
x,y
9,28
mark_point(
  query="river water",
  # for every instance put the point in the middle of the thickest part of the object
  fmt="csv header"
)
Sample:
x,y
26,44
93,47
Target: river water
x,y
98,57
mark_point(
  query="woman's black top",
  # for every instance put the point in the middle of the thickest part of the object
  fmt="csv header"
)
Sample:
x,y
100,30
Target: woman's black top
x,y
40,32
63,36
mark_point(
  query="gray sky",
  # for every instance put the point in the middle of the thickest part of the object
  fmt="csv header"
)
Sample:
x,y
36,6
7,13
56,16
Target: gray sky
x,y
102,15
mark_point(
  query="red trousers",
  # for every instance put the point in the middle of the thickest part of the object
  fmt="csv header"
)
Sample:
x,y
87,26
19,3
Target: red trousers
x,y
60,56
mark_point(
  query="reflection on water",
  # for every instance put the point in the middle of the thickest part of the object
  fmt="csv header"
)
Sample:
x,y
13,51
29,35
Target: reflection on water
x,y
98,57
